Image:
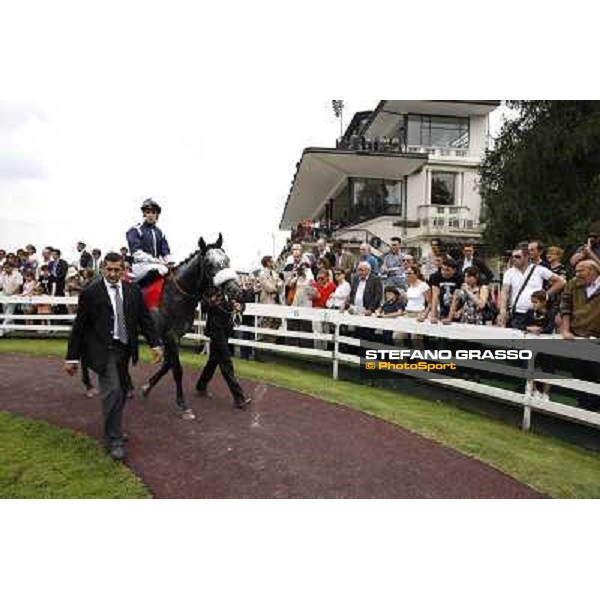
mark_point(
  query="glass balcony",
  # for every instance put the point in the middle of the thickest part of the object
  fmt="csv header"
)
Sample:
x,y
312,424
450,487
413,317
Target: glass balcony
x,y
395,145
363,144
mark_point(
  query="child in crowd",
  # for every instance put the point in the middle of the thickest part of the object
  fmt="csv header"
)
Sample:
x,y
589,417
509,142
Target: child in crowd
x,y
45,287
29,287
45,281
393,306
540,319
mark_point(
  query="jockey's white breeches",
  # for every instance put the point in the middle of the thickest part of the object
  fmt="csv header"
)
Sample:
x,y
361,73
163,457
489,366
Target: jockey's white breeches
x,y
139,269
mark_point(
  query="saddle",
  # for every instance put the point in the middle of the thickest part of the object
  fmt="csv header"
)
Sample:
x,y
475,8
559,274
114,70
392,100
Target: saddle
x,y
152,293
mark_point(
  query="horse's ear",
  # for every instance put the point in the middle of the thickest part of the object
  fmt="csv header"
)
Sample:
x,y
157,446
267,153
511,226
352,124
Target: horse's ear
x,y
219,241
202,245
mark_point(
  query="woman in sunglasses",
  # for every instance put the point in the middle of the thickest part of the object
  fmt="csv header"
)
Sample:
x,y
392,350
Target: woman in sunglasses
x,y
470,301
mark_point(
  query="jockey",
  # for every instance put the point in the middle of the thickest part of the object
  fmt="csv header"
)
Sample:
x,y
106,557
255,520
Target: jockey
x,y
148,246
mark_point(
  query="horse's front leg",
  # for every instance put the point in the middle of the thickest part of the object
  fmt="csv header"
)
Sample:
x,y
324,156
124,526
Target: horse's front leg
x,y
186,412
164,369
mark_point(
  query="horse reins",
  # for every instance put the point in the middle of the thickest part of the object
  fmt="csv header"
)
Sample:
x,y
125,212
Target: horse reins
x,y
178,287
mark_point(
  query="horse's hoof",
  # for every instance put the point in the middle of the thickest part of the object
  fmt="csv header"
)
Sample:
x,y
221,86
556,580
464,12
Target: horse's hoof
x,y
188,415
146,389
242,404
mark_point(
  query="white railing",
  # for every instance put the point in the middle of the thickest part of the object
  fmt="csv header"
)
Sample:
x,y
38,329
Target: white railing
x,y
326,331
446,218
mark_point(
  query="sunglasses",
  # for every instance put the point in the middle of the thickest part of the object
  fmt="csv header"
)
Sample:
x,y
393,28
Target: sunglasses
x,y
517,256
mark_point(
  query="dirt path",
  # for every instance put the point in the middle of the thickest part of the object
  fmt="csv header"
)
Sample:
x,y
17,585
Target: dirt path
x,y
287,445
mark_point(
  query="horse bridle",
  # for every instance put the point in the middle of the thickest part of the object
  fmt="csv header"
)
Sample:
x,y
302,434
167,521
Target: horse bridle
x,y
195,297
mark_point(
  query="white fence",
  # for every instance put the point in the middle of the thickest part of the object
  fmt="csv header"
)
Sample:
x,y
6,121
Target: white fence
x,y
326,326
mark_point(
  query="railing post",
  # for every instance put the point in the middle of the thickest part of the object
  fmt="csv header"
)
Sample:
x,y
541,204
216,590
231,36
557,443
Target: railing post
x,y
529,388
336,334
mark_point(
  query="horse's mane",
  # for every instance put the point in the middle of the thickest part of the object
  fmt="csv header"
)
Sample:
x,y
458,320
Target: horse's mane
x,y
193,255
188,258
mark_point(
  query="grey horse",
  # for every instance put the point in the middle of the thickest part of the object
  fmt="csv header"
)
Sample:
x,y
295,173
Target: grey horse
x,y
206,268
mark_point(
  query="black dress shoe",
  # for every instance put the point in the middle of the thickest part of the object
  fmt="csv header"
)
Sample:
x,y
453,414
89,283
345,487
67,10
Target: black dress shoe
x,y
117,452
241,404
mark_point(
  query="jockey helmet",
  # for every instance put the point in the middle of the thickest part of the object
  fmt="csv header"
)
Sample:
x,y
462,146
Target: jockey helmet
x,y
150,204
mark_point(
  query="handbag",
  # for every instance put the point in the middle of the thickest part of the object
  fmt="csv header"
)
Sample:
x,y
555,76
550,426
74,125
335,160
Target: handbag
x,y
490,311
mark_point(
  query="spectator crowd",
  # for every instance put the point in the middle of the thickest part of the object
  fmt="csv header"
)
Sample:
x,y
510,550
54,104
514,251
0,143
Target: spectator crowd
x,y
26,273
537,292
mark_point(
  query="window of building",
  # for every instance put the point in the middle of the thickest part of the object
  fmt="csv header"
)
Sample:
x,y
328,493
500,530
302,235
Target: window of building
x,y
438,132
443,188
371,198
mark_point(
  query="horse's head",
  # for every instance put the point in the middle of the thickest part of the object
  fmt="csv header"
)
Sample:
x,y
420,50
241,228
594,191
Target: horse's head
x,y
217,268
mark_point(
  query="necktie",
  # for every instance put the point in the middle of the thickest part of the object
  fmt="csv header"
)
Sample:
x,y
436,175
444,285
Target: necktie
x,y
121,329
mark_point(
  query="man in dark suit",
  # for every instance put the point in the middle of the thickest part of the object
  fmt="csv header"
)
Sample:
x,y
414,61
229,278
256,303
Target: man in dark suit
x,y
365,291
365,296
220,313
105,337
85,258
96,261
470,260
58,271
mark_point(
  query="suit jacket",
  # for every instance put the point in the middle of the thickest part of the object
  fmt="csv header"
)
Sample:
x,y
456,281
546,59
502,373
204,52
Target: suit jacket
x,y
85,260
486,275
58,271
345,261
331,258
92,333
372,294
219,316
271,286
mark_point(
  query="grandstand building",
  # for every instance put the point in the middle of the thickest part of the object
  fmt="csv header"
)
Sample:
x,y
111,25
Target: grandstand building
x,y
407,168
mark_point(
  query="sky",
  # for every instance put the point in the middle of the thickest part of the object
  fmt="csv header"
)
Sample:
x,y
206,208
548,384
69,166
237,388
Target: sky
x,y
77,167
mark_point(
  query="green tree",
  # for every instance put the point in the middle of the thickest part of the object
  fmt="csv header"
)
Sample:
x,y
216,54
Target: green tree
x,y
542,179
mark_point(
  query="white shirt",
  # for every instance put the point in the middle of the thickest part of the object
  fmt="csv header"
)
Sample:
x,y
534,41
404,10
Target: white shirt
x,y
592,287
339,296
514,278
467,263
111,294
11,284
360,292
415,295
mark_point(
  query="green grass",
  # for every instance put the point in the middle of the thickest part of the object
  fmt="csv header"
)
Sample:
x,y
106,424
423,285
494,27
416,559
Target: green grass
x,y
42,461
549,465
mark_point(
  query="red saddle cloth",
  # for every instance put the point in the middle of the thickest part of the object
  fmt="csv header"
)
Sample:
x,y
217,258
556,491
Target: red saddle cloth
x,y
153,292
